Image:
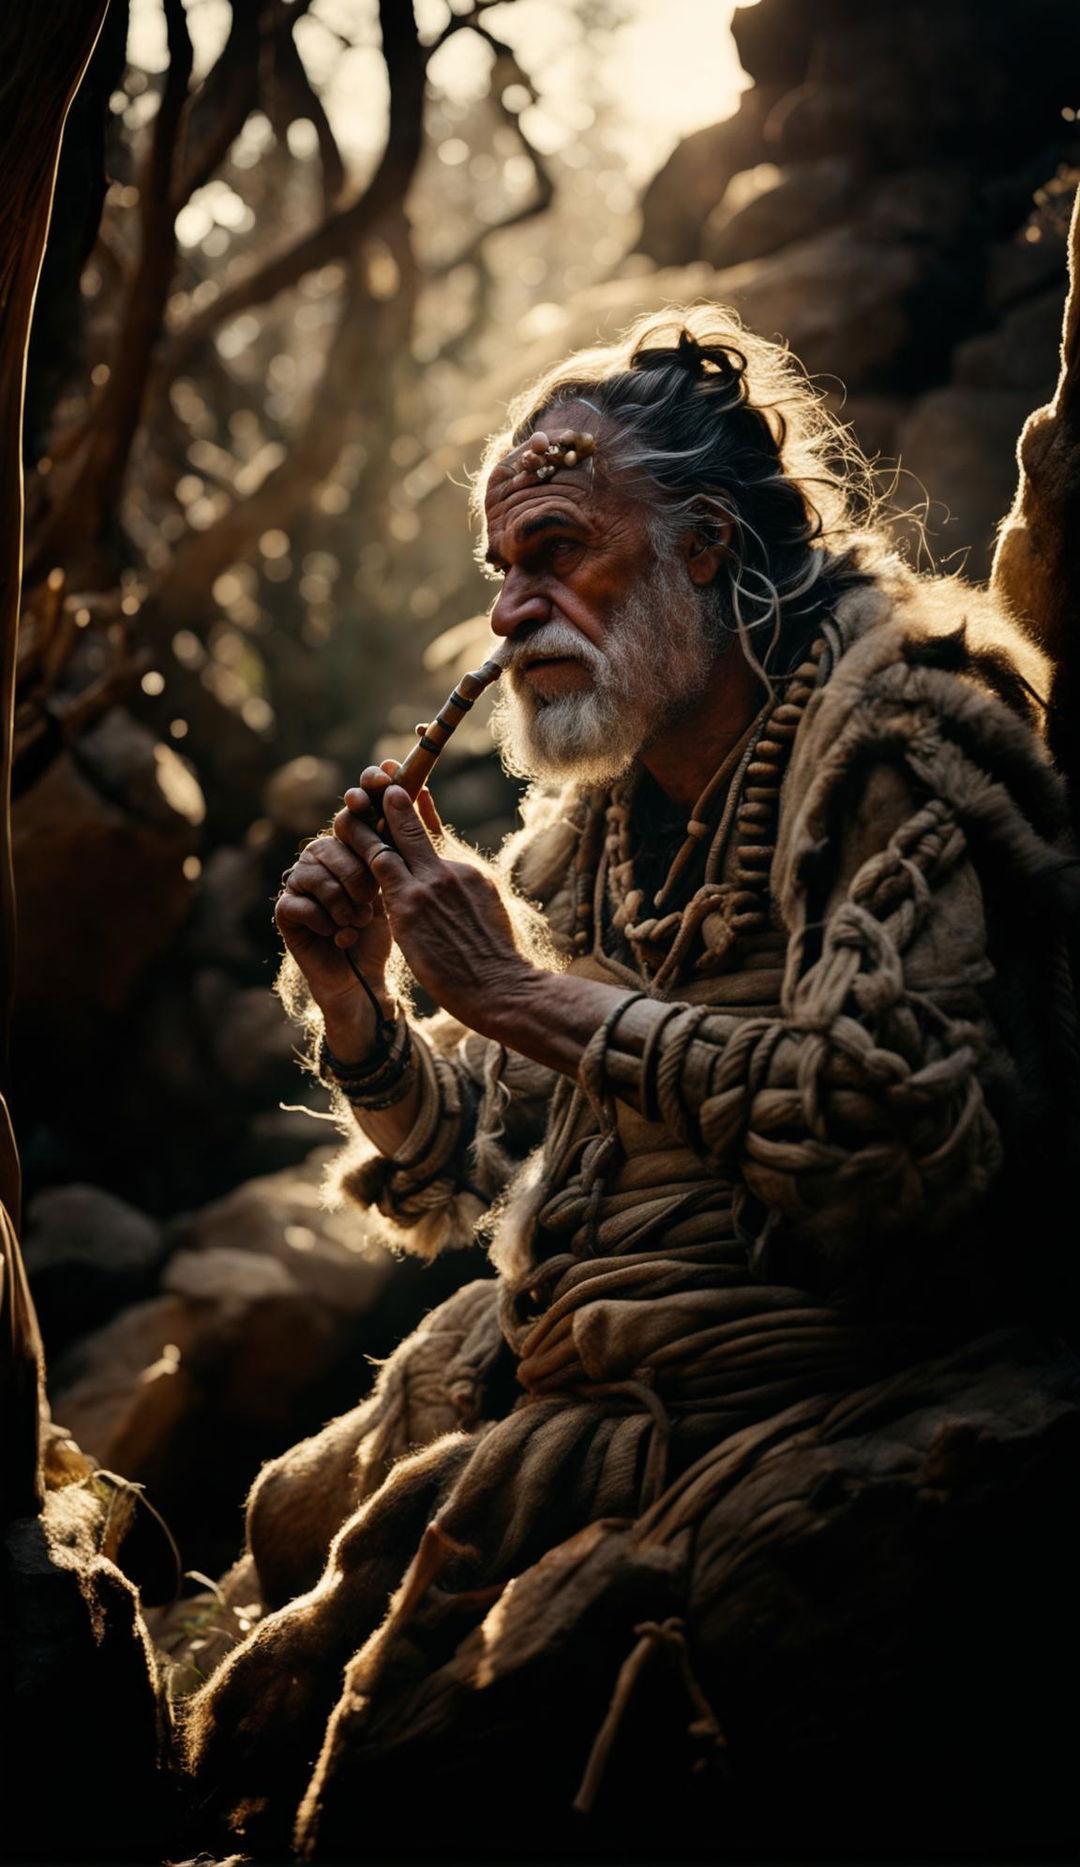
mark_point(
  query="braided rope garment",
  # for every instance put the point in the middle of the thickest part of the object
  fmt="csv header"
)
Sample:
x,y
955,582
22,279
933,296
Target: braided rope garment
x,y
814,1092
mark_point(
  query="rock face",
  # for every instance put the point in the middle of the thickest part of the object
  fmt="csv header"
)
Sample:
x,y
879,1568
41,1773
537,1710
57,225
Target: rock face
x,y
680,198
99,844
304,794
87,1255
765,208
892,200
960,443
255,1300
257,1317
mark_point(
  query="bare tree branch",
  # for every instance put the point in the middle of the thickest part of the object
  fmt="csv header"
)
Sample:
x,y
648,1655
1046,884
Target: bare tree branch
x,y
92,489
339,234
291,95
367,340
512,73
218,110
453,350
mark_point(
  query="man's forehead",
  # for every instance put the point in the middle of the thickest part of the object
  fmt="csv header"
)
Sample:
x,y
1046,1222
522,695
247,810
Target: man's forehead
x,y
515,508
515,491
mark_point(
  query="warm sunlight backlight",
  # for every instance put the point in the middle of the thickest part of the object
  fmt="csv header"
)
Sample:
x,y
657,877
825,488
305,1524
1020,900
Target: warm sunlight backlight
x,y
668,69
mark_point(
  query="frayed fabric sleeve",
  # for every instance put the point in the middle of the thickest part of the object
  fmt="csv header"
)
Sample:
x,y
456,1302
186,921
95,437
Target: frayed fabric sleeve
x,y
482,1110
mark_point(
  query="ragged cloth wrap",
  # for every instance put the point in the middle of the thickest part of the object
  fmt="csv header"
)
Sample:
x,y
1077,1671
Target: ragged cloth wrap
x,y
791,1169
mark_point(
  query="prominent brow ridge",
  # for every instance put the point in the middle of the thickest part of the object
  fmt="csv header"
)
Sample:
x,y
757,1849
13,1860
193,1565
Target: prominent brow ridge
x,y
543,521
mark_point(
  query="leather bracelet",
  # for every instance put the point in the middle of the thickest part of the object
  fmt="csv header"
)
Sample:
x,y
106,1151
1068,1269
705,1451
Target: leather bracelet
x,y
365,1085
377,1056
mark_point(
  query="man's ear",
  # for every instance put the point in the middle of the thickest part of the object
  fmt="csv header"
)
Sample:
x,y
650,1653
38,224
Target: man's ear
x,y
707,545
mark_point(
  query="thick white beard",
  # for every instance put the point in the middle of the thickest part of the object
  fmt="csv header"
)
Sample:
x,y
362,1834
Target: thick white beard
x,y
653,666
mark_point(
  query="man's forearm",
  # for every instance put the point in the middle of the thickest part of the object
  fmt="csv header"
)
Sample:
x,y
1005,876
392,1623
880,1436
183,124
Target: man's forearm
x,y
550,1017
350,1033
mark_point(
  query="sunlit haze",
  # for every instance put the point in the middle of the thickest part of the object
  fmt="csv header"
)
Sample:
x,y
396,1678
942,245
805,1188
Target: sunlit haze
x,y
669,67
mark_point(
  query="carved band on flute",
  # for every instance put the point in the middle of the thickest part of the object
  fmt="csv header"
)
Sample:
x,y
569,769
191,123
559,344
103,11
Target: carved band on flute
x,y
419,762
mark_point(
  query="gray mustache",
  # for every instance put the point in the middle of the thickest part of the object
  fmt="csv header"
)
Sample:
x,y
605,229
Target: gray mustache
x,y
553,638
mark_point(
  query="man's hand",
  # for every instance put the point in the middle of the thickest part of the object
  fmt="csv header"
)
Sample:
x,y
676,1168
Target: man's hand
x,y
330,903
448,918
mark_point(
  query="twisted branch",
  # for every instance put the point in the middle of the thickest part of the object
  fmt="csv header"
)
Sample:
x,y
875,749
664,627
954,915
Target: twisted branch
x,y
367,336
92,489
291,96
506,57
341,233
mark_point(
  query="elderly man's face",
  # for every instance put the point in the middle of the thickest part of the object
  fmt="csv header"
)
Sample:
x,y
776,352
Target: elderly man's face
x,y
609,644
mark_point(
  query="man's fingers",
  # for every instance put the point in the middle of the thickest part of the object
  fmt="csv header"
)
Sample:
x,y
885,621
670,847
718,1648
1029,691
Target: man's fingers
x,y
302,914
353,877
310,877
365,798
356,831
429,816
410,836
358,804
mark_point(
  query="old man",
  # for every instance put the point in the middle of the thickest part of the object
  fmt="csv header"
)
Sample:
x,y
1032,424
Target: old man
x,y
752,1051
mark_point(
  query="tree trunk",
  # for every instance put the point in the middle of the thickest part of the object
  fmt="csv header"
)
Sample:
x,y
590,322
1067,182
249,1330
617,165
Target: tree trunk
x,y
44,51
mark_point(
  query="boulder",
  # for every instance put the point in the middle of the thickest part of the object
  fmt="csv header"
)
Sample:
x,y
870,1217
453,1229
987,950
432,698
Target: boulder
x,y
1021,268
774,42
765,208
875,419
99,844
230,1279
280,1220
302,796
842,303
929,204
125,1391
189,1392
682,194
280,1138
88,1254
912,84
248,1035
258,1297
233,895
173,1059
1022,353
960,444
146,778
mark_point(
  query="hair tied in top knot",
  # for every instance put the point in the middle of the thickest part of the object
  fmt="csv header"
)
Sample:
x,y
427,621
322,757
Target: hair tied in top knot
x,y
697,359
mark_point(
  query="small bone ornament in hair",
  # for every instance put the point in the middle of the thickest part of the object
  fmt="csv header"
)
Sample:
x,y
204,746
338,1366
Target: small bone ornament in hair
x,y
544,455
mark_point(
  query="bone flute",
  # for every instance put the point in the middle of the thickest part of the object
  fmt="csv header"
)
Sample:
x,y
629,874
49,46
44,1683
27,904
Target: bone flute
x,y
418,763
